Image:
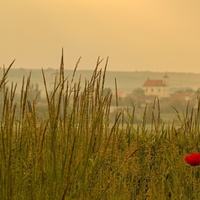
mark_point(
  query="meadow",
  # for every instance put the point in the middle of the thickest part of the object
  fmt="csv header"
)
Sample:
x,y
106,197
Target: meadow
x,y
73,152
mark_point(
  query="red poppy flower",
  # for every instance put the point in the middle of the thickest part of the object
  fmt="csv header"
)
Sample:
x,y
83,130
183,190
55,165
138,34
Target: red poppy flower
x,y
193,159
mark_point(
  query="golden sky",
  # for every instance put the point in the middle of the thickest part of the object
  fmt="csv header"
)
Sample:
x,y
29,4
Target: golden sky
x,y
153,35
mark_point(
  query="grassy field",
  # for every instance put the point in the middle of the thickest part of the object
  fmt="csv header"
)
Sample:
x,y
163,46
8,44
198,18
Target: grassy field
x,y
73,152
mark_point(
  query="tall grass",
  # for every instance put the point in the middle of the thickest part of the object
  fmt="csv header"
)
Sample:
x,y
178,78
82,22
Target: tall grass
x,y
73,152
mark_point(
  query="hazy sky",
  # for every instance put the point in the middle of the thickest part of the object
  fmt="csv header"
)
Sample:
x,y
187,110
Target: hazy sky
x,y
154,35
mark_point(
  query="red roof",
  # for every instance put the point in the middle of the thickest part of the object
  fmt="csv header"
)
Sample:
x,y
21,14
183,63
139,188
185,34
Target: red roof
x,y
154,83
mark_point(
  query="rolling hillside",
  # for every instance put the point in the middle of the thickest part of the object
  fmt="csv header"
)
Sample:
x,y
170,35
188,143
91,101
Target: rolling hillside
x,y
126,81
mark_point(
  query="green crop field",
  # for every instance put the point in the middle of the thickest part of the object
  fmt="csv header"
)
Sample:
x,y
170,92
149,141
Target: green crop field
x,y
73,152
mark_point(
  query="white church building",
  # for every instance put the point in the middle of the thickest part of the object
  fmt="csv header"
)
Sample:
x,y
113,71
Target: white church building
x,y
158,87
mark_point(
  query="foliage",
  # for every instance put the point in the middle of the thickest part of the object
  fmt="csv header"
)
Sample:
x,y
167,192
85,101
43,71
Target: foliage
x,y
138,92
73,152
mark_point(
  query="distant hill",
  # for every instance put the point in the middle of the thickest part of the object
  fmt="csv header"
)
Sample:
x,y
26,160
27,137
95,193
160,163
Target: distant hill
x,y
126,81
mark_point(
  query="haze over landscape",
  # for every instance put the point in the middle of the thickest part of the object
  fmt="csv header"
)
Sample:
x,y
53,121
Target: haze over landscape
x,y
71,130
137,35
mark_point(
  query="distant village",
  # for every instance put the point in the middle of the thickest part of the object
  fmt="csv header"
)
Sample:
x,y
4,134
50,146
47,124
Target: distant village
x,y
159,89
134,89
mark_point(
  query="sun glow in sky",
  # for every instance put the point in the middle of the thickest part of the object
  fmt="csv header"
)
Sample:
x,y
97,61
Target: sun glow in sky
x,y
153,35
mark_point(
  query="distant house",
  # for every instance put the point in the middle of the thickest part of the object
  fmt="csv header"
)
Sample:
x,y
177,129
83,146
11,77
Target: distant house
x,y
184,96
159,88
